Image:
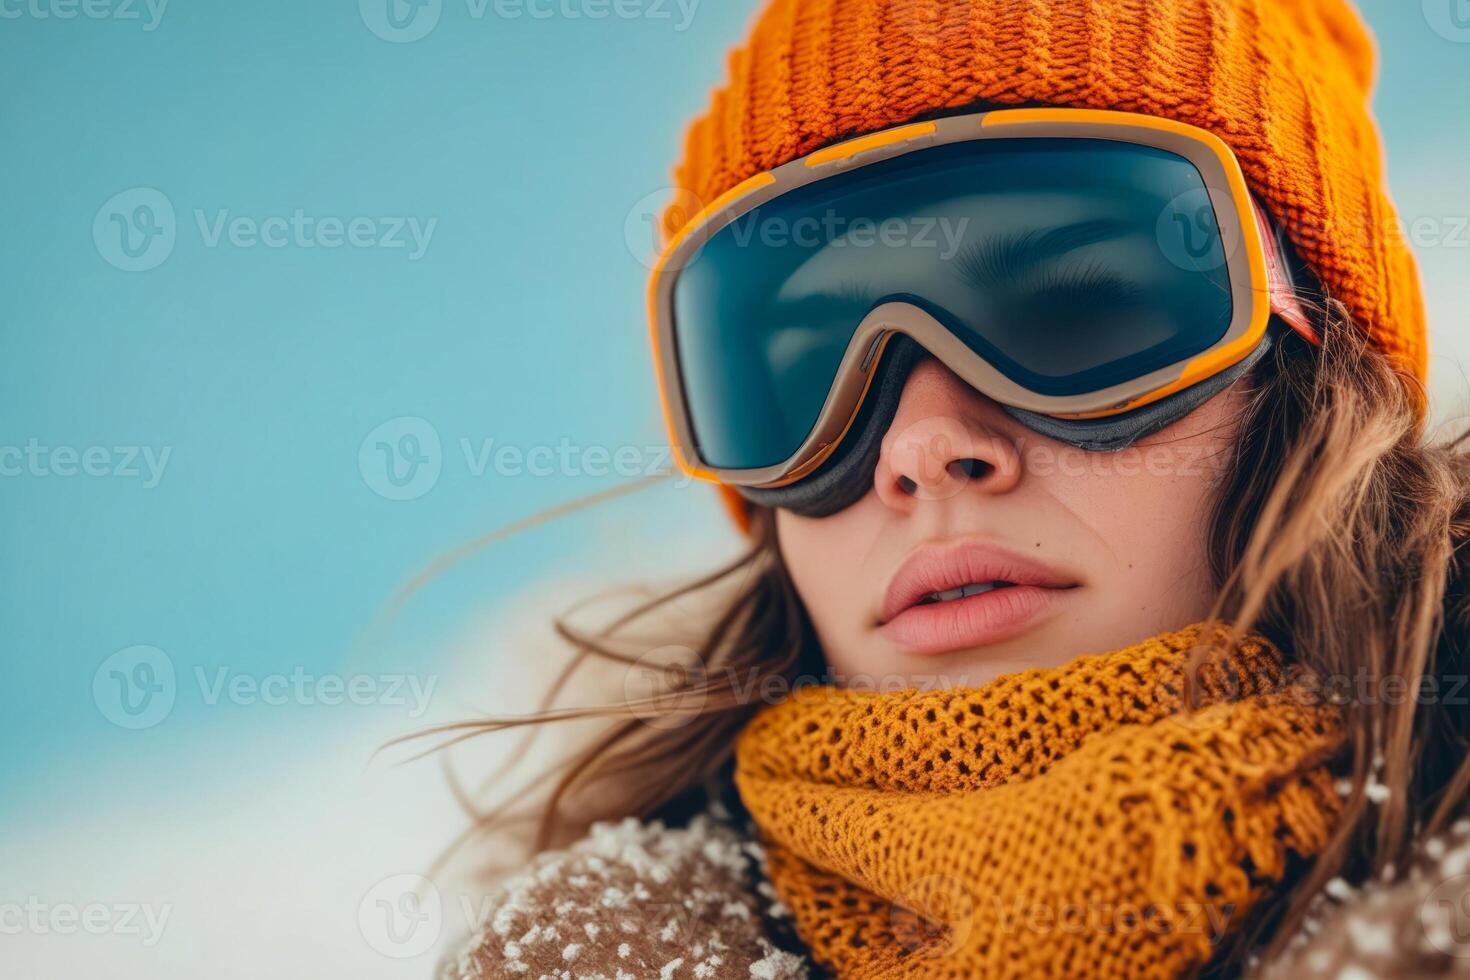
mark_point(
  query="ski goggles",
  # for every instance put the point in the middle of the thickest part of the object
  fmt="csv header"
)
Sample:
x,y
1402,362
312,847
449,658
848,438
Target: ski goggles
x,y
1076,266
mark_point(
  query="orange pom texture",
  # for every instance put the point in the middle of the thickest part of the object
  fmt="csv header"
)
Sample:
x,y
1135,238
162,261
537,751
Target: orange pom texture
x,y
1285,83
1071,822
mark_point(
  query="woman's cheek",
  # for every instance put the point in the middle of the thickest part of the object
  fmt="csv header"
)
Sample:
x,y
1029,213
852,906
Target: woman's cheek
x,y
830,560
1149,516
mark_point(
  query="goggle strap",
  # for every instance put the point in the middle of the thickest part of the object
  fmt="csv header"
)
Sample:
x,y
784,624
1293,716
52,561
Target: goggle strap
x,y
1284,302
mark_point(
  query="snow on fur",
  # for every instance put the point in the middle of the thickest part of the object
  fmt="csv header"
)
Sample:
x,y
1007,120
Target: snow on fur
x,y
1409,925
631,901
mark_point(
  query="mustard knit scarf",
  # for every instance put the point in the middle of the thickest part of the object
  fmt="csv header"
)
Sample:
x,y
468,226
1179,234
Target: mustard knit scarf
x,y
1073,822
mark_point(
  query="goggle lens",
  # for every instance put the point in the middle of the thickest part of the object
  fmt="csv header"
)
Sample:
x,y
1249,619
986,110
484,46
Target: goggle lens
x,y
1068,265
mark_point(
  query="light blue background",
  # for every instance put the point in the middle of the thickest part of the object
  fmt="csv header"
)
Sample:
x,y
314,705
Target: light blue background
x,y
534,145
262,548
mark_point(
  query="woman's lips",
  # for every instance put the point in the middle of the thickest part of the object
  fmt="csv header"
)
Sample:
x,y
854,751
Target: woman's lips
x,y
975,620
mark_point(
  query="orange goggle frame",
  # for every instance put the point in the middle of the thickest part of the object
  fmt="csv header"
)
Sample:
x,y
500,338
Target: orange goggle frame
x,y
1259,283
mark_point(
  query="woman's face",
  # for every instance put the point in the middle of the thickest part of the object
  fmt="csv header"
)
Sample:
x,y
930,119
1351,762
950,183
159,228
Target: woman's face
x,y
984,548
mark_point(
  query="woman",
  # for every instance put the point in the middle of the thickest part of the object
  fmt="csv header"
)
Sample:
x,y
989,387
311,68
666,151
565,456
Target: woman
x,y
1104,607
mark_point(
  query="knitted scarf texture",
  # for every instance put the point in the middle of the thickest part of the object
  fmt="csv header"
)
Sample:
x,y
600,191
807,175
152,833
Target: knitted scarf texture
x,y
1107,818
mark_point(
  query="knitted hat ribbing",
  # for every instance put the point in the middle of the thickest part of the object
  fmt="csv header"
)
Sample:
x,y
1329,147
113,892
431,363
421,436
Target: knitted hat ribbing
x,y
1284,82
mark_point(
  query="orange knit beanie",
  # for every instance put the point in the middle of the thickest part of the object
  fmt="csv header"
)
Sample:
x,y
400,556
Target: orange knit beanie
x,y
1284,82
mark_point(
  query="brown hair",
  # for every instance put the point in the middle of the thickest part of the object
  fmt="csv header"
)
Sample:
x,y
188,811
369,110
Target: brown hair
x,y
1337,533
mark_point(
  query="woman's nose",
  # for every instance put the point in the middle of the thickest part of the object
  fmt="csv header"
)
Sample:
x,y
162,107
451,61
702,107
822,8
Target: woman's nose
x,y
939,446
